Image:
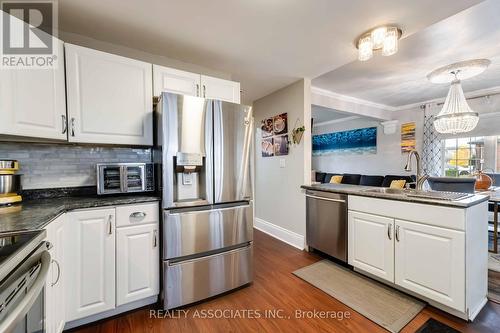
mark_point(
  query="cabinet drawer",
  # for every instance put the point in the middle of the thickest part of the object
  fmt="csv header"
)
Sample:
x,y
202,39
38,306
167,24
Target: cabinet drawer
x,y
193,280
189,233
137,214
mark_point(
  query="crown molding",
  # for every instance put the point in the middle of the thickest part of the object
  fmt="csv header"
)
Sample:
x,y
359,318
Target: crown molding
x,y
468,95
335,121
350,99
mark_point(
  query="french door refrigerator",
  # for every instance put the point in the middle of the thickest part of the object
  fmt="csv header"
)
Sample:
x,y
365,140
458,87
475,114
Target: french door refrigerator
x,y
204,148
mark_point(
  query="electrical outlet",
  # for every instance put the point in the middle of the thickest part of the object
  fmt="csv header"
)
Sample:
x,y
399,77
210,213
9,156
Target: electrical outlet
x,y
282,163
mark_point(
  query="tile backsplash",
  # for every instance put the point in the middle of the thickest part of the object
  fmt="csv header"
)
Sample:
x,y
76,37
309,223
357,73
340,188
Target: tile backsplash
x,y
55,165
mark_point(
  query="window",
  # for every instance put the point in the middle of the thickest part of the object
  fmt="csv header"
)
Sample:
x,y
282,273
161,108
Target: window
x,y
465,156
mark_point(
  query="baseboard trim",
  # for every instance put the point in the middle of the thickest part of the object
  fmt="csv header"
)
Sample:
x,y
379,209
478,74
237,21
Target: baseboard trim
x,y
113,312
291,238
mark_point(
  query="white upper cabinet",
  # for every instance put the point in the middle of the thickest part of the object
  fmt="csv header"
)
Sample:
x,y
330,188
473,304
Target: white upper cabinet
x,y
110,98
175,81
223,90
187,83
431,262
33,101
371,246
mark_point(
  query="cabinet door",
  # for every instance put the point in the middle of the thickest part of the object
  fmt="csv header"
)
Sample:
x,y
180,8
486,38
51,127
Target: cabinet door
x,y
54,288
175,81
91,263
33,101
431,262
371,244
110,98
137,263
220,89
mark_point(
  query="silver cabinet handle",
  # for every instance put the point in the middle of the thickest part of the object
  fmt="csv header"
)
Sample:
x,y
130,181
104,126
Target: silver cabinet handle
x,y
58,272
64,124
197,90
397,233
138,214
204,91
155,238
326,199
110,224
72,126
389,231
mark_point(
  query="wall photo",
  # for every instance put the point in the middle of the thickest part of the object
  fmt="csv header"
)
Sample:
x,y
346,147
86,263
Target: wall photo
x,y
408,138
267,147
267,127
355,142
280,124
274,135
280,145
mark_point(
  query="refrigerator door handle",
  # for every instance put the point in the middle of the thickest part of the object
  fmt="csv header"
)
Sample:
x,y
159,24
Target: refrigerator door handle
x,y
214,208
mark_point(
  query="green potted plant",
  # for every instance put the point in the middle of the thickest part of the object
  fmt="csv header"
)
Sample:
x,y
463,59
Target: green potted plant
x,y
297,134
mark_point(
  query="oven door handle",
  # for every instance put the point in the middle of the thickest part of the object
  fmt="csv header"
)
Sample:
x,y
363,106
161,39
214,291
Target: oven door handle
x,y
10,322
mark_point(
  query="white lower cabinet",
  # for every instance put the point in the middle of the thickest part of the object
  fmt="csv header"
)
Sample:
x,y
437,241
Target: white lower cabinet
x,y
109,266
371,247
431,262
91,262
137,263
424,259
55,297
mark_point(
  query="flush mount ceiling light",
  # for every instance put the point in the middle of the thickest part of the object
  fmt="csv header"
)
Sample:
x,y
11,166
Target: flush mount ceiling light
x,y
384,38
456,116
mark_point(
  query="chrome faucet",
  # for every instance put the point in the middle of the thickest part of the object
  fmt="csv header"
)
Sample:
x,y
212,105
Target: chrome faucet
x,y
420,178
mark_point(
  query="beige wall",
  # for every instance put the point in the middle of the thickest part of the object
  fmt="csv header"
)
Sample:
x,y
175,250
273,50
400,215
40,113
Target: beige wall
x,y
278,197
137,54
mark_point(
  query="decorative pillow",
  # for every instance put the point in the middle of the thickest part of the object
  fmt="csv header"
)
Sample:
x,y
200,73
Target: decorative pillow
x,y
398,183
336,180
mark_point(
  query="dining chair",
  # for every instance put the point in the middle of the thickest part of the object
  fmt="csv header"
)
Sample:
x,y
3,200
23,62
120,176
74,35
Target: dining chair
x,y
452,184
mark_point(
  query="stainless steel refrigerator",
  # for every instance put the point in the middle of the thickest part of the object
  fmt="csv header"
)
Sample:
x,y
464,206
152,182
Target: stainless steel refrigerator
x,y
204,149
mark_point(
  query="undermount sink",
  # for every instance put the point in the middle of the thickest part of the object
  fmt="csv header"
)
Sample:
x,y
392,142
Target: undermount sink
x,y
387,190
435,195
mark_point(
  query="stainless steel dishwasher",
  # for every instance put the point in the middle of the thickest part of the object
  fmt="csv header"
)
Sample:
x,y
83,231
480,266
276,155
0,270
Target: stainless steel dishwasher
x,y
326,223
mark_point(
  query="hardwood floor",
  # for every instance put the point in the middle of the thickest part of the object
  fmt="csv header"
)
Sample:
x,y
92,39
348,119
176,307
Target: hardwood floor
x,y
275,288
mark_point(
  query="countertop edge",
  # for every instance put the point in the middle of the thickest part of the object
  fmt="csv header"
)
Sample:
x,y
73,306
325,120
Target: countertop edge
x,y
41,221
358,192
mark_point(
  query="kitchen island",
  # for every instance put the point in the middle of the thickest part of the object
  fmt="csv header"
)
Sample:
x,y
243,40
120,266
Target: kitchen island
x,y
433,249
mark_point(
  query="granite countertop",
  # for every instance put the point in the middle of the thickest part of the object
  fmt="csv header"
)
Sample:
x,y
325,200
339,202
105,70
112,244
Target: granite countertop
x,y
36,214
361,191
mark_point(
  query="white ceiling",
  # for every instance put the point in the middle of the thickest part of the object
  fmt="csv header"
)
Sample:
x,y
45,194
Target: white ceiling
x,y
321,114
401,79
264,44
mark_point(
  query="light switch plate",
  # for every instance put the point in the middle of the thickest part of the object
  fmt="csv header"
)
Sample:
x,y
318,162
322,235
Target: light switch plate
x,y
282,163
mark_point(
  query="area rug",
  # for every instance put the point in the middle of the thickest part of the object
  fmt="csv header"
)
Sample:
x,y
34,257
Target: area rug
x,y
494,262
381,304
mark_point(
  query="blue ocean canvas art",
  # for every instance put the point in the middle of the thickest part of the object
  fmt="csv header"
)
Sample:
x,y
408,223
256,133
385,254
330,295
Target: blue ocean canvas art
x,y
358,141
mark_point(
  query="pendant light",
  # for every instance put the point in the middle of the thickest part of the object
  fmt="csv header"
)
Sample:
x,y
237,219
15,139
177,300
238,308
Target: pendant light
x,y
456,116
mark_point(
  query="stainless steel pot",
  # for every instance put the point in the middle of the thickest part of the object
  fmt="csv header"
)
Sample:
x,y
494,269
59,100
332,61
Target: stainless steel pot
x,y
10,184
